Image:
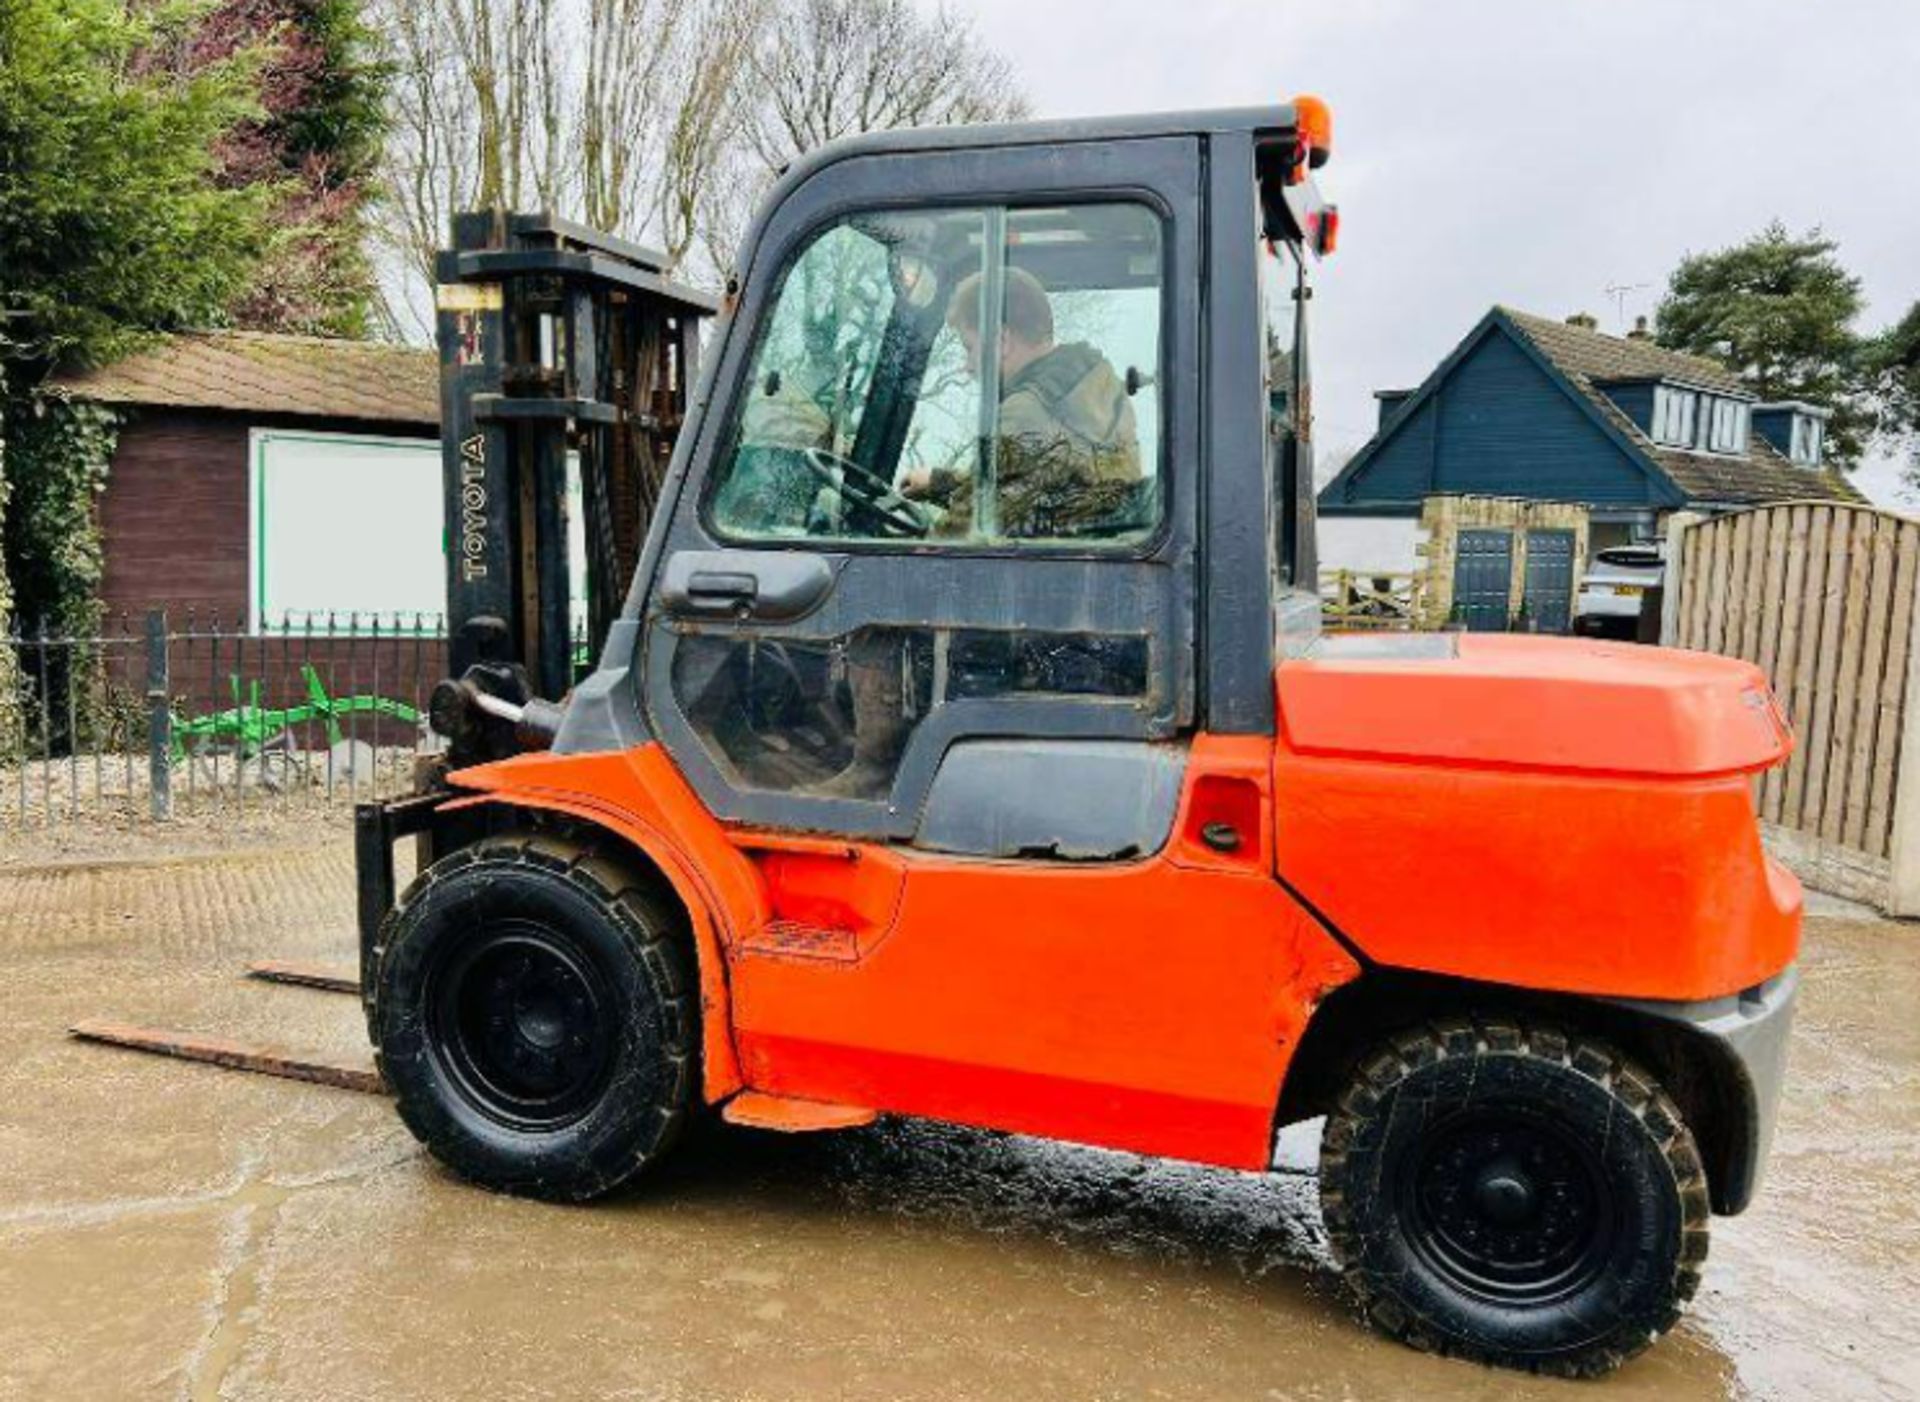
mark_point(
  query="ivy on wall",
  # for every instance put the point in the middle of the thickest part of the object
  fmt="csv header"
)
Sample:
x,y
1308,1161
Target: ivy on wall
x,y
57,455
11,733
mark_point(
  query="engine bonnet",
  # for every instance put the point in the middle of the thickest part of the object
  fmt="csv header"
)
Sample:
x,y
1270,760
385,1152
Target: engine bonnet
x,y
1493,700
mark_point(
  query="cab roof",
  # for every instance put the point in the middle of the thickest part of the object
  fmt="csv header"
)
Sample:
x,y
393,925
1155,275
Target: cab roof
x,y
1052,131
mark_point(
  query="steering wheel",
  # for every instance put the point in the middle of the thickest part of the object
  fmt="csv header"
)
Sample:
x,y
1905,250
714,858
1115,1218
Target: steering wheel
x,y
867,490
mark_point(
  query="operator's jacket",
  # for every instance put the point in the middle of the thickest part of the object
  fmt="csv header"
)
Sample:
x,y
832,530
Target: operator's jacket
x,y
1068,453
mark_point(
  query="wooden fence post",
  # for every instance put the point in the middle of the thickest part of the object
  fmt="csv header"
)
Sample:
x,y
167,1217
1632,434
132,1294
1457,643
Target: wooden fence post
x,y
1903,850
159,717
1673,577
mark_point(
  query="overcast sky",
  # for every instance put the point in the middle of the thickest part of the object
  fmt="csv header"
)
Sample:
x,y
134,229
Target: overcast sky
x,y
1530,152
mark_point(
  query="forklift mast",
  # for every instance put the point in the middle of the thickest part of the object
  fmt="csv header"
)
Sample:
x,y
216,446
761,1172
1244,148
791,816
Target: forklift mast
x,y
566,360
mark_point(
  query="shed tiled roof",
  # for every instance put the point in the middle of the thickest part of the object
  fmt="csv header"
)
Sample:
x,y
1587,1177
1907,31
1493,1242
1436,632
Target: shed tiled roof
x,y
260,373
1590,359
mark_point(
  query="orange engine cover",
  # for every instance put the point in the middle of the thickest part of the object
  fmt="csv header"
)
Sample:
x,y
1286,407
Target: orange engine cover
x,y
1556,814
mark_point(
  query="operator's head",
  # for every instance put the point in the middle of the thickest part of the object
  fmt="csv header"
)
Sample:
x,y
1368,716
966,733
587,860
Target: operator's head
x,y
1026,323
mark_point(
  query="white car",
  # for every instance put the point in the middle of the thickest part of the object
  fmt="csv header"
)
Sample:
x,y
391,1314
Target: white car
x,y
1615,589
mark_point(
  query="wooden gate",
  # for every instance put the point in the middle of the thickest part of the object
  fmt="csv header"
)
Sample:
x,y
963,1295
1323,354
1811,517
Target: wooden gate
x,y
1822,596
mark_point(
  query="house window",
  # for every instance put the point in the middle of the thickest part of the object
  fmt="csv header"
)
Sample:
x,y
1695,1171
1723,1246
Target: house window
x,y
1806,440
1673,416
1727,429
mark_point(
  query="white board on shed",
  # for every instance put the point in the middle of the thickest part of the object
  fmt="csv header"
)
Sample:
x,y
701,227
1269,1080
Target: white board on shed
x,y
343,524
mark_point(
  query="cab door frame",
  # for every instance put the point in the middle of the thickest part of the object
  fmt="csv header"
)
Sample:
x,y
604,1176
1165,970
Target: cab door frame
x,y
1150,591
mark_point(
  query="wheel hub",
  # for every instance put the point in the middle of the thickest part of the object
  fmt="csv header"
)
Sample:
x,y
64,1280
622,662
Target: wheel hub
x,y
540,1020
1509,1207
1505,1194
522,1020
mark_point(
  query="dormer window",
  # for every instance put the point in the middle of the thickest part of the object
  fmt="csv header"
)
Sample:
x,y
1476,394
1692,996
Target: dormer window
x,y
1674,412
1798,430
1698,421
1806,440
1727,431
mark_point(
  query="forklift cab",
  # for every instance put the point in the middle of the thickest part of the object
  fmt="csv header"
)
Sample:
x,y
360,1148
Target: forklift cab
x,y
984,494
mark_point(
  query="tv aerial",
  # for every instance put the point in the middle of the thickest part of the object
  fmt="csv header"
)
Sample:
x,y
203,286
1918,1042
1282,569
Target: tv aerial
x,y
1620,291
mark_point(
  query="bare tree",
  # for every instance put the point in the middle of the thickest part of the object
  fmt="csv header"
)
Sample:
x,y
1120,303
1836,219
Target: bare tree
x,y
716,97
832,68
564,105
461,84
633,51
825,69
658,120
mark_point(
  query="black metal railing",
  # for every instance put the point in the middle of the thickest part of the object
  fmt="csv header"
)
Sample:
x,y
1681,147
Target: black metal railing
x,y
153,714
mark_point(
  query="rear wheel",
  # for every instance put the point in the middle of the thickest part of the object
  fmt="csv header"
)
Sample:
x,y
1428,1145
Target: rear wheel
x,y
534,1017
1515,1195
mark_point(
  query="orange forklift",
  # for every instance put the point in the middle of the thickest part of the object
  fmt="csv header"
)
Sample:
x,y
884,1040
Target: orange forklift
x,y
962,743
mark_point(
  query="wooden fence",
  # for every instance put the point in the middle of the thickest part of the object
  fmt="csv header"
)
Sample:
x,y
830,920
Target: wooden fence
x,y
1822,596
1369,601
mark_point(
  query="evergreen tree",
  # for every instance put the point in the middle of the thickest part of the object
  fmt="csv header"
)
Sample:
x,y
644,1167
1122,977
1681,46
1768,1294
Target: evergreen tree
x,y
1896,366
164,164
1779,310
111,224
111,227
315,145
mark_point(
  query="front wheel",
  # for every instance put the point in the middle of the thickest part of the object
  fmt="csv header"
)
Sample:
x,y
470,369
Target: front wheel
x,y
534,1016
1514,1194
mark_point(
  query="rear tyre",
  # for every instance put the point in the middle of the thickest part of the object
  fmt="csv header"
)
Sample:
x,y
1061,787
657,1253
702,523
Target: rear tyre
x,y
534,1017
1515,1195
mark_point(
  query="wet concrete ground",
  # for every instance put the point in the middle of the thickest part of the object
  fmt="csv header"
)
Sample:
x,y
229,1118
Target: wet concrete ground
x,y
177,1231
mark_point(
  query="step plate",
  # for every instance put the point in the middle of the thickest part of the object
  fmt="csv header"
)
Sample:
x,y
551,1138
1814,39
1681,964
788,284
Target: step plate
x,y
791,939
783,1115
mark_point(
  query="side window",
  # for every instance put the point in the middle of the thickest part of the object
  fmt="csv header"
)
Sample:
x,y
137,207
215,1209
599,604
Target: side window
x,y
812,380
961,377
832,717
1287,424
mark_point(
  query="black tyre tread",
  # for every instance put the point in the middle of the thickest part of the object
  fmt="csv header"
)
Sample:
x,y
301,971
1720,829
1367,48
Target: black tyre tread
x,y
1637,1091
654,926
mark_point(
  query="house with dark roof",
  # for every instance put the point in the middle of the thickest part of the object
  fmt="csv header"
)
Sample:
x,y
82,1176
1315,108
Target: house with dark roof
x,y
1541,410
267,478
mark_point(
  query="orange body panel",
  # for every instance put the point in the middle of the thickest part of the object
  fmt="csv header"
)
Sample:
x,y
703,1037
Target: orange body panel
x,y
639,795
1566,816
1148,1005
1562,704
1520,811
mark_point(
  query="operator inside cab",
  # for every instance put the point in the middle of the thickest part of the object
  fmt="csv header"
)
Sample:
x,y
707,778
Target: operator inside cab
x,y
1067,449
955,376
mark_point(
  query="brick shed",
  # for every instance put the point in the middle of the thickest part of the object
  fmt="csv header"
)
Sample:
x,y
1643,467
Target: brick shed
x,y
258,476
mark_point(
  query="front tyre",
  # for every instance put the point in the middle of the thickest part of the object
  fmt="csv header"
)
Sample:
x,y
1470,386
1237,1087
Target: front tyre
x,y
1513,1194
535,1020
